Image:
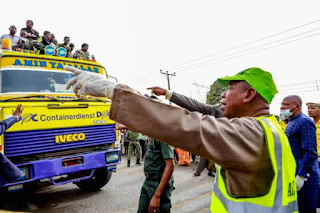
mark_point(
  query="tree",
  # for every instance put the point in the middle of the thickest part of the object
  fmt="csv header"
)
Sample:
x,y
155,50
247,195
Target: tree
x,y
214,94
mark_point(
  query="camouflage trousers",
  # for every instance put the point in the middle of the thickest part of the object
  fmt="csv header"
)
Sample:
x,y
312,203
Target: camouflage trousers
x,y
132,145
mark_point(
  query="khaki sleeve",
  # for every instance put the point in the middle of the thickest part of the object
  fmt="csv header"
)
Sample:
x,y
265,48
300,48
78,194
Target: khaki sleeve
x,y
234,144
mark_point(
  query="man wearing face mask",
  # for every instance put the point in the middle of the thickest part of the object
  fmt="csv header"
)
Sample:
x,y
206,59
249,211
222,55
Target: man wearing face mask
x,y
301,132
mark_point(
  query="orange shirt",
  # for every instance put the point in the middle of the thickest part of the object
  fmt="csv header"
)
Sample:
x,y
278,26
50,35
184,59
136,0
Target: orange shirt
x,y
283,125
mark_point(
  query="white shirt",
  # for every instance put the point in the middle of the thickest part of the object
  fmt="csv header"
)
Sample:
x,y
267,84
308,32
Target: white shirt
x,y
14,39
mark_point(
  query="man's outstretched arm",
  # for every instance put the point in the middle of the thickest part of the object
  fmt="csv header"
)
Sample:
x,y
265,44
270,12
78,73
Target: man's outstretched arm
x,y
188,103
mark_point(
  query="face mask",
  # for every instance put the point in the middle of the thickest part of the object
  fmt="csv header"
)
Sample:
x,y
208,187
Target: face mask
x,y
285,114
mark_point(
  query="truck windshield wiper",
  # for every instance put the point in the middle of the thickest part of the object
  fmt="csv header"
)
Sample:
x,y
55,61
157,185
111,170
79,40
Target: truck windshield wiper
x,y
33,96
93,99
52,98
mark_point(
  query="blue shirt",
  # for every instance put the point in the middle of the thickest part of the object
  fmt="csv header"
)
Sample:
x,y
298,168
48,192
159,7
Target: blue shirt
x,y
301,132
8,171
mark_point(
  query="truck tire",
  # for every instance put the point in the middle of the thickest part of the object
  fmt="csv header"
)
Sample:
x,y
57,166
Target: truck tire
x,y
12,200
99,179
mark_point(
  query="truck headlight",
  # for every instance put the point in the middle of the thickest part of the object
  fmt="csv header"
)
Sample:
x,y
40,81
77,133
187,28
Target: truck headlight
x,y
112,157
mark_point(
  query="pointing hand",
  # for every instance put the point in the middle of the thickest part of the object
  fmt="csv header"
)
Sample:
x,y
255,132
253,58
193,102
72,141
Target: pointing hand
x,y
158,90
87,83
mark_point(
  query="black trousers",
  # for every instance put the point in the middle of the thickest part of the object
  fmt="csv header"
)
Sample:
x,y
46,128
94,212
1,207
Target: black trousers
x,y
143,147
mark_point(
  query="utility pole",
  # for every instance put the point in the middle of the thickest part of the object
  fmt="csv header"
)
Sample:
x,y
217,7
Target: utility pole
x,y
198,90
168,76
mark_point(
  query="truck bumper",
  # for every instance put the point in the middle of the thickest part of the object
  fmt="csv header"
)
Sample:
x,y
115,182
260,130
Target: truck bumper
x,y
49,168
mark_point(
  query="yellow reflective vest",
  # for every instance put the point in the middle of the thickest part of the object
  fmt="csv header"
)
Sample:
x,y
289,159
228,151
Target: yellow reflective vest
x,y
282,196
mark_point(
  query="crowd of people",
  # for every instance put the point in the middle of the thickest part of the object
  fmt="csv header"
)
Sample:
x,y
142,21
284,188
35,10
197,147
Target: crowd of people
x,y
302,131
136,144
262,164
260,167
30,41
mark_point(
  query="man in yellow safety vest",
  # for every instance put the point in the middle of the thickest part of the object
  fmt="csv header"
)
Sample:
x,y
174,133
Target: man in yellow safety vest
x,y
256,171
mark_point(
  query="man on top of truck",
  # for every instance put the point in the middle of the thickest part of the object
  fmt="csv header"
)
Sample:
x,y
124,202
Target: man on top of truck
x,y
12,36
32,33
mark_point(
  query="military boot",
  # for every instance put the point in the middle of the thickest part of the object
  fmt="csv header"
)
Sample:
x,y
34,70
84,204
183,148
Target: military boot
x,y
128,165
138,161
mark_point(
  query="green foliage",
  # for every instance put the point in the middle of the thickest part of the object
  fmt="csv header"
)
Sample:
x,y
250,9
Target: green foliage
x,y
214,94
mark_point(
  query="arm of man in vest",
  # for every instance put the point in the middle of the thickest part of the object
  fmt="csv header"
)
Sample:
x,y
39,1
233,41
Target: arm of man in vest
x,y
237,144
167,154
188,103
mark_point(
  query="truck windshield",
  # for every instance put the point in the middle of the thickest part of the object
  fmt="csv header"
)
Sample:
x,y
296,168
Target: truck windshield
x,y
34,81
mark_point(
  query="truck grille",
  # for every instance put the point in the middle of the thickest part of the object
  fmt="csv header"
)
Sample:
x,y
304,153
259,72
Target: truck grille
x,y
43,141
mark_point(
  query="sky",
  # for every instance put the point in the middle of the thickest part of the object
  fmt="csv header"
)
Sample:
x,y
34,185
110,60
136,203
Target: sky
x,y
199,40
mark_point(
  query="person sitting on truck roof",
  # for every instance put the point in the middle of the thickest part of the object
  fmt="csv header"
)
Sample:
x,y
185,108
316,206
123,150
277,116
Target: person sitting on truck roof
x,y
23,43
44,40
52,39
82,54
65,45
9,171
23,35
71,45
14,39
32,34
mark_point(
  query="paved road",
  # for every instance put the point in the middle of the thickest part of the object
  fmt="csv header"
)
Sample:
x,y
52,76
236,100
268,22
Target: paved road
x,y
121,194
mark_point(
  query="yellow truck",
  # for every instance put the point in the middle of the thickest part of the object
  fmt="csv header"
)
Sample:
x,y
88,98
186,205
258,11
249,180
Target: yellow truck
x,y
59,138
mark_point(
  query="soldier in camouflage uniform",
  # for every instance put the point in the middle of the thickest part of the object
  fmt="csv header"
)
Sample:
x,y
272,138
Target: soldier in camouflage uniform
x,y
158,168
134,143
82,54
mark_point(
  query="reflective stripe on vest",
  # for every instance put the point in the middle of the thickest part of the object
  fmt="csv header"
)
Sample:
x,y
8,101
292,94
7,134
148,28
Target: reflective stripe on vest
x,y
243,206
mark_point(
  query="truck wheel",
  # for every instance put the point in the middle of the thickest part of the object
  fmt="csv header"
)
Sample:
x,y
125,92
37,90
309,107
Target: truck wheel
x,y
99,179
12,200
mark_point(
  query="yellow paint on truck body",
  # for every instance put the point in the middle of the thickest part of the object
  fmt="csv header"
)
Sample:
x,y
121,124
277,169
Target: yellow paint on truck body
x,y
38,62
45,113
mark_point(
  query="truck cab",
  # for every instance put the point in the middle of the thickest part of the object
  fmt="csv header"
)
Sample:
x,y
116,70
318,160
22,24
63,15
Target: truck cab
x,y
59,138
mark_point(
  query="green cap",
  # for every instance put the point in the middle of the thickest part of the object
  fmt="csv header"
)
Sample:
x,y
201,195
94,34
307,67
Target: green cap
x,y
257,78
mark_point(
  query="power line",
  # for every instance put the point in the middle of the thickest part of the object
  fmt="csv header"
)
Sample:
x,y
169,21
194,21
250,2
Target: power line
x,y
183,70
301,87
141,81
142,78
303,91
201,96
144,83
192,66
236,53
314,87
245,44
298,83
200,85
